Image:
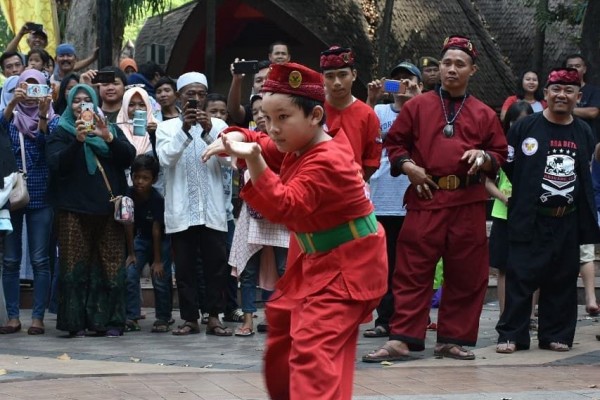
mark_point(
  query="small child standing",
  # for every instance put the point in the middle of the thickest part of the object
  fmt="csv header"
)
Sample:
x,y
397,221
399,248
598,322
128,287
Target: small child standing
x,y
147,242
337,263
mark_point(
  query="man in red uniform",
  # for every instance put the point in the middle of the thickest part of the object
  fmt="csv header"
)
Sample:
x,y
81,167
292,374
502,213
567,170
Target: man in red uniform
x,y
337,280
345,111
446,142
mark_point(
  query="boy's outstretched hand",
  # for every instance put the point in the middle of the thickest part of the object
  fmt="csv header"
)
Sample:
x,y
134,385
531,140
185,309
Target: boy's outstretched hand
x,y
233,147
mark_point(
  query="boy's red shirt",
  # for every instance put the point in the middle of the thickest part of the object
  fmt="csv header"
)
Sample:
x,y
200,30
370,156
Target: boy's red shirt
x,y
316,191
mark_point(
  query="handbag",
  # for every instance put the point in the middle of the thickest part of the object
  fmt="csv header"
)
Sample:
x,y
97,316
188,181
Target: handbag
x,y
19,195
123,205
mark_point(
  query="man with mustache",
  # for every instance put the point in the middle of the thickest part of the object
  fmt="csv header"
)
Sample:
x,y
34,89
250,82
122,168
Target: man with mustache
x,y
551,213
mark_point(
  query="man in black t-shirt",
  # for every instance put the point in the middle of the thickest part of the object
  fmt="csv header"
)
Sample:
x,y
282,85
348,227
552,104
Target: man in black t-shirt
x,y
551,212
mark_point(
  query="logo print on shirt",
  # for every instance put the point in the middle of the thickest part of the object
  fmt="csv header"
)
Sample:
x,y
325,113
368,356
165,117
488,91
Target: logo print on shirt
x,y
559,175
530,146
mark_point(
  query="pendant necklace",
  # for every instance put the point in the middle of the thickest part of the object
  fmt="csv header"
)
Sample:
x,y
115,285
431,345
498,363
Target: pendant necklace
x,y
449,128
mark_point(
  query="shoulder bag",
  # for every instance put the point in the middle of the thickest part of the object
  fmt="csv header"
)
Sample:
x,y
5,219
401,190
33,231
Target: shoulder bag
x,y
123,205
19,195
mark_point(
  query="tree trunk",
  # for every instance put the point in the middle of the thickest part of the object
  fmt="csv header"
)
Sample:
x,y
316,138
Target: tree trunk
x,y
590,41
82,32
81,27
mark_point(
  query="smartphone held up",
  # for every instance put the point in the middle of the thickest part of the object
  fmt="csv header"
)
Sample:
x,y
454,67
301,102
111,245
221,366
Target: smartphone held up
x,y
88,116
394,86
245,67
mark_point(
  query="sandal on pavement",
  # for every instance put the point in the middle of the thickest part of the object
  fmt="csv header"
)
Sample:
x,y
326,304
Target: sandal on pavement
x,y
378,331
132,326
219,330
234,316
244,332
187,328
592,311
160,326
8,329
446,351
36,330
506,347
392,355
555,346
204,319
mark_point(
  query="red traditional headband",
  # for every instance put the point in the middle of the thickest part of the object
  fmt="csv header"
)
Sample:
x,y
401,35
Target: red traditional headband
x,y
295,79
563,76
336,57
460,43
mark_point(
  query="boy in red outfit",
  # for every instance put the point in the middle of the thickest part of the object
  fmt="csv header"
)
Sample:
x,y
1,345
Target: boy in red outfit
x,y
345,111
340,275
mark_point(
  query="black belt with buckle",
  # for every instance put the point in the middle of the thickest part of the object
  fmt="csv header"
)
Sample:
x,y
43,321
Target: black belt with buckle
x,y
453,182
556,211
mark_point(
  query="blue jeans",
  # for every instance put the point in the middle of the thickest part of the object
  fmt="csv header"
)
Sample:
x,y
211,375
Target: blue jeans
x,y
248,278
39,227
163,301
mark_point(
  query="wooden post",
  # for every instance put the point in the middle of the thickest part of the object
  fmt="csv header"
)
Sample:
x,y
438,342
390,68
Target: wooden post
x,y
104,39
211,53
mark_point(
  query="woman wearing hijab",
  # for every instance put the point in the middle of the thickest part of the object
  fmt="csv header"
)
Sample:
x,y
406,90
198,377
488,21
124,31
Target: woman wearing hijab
x,y
28,120
91,242
137,99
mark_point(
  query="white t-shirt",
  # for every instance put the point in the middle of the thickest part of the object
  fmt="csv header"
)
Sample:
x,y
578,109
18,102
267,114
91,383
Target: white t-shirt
x,y
387,192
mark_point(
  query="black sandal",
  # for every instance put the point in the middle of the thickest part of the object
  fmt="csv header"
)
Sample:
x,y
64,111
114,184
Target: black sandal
x,y
188,328
160,326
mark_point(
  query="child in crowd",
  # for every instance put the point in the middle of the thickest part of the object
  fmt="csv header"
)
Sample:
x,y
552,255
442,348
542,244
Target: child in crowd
x,y
39,59
216,106
147,242
499,231
307,179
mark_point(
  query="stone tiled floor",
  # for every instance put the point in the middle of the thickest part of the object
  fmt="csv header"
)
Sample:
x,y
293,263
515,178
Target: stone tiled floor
x,y
143,365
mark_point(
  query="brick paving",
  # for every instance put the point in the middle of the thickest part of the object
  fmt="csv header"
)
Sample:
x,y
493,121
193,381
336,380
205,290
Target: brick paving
x,y
143,365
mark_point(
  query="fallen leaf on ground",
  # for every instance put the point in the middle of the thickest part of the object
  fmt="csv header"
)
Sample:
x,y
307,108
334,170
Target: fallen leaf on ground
x,y
64,357
3,371
135,359
387,363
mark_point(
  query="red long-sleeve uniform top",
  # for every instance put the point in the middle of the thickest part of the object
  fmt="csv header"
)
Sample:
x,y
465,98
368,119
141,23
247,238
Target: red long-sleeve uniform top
x,y
361,125
316,191
418,134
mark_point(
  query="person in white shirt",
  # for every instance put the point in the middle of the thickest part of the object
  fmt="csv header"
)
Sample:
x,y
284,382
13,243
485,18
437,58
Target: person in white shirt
x,y
195,205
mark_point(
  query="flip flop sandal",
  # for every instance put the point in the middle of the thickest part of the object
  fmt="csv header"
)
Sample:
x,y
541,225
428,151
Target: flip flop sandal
x,y
392,355
377,332
555,346
446,351
160,326
245,332
506,347
186,329
219,331
234,316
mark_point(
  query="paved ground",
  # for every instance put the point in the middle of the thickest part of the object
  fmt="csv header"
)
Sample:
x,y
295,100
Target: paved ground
x,y
143,365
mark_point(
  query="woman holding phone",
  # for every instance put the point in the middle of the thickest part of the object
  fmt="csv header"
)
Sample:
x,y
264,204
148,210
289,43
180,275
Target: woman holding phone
x,y
134,118
92,244
28,120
